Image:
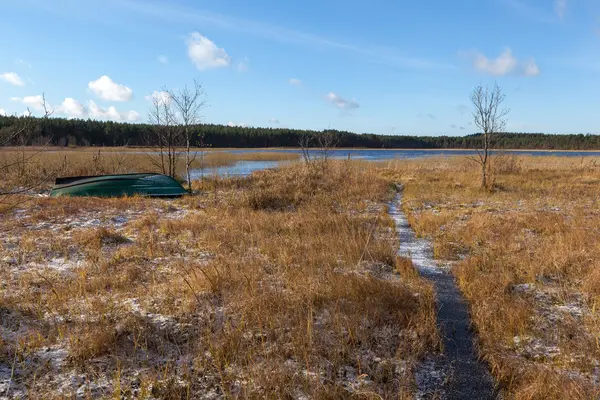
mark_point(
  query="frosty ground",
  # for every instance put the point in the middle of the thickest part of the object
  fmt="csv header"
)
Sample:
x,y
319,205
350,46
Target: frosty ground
x,y
285,283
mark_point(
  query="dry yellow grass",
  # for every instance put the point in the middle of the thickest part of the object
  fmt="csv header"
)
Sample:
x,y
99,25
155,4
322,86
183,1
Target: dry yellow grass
x,y
281,285
37,168
286,283
526,257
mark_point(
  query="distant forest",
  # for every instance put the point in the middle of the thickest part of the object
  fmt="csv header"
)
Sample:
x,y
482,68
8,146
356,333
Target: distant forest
x,y
78,132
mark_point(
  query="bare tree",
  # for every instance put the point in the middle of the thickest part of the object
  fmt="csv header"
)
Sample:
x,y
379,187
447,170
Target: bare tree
x,y
22,136
154,136
305,144
164,134
489,116
328,140
325,141
188,103
23,133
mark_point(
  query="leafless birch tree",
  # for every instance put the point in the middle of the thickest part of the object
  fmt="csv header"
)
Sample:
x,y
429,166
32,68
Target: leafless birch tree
x,y
164,134
188,103
489,117
325,142
22,136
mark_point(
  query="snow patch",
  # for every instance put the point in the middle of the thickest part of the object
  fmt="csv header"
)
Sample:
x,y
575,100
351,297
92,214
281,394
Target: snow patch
x,y
58,264
55,356
159,320
9,389
523,288
430,377
574,309
419,250
535,349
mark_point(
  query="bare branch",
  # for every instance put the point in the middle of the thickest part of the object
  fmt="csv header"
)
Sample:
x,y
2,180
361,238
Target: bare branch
x,y
47,112
188,103
489,117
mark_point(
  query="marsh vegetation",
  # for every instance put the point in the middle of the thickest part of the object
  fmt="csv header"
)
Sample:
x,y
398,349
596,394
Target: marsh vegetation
x,y
287,283
525,256
283,284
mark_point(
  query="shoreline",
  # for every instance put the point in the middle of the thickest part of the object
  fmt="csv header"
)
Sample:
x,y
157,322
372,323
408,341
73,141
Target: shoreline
x,y
268,149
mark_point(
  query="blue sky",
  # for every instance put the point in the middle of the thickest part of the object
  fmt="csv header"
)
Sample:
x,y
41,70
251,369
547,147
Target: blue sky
x,y
390,67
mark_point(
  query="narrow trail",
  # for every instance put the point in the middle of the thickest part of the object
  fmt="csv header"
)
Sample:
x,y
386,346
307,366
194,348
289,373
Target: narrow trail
x,y
457,374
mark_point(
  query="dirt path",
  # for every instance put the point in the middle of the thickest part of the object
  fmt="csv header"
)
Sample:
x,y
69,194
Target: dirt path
x,y
458,374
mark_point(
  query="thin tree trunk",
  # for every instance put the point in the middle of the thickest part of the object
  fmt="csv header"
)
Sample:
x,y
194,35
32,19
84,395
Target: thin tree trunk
x,y
484,175
490,119
162,157
484,165
187,159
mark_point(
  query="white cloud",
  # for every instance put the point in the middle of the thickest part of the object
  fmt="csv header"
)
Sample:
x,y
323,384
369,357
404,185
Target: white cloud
x,y
242,67
162,97
505,64
241,125
295,82
106,89
274,121
98,112
72,108
163,59
205,54
2,111
531,69
133,116
560,7
342,103
374,52
35,102
12,78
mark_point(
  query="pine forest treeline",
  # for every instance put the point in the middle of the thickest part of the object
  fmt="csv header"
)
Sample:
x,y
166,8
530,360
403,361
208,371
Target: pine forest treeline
x,y
78,132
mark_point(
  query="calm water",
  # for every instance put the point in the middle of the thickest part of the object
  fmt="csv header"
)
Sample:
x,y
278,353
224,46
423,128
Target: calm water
x,y
244,168
241,168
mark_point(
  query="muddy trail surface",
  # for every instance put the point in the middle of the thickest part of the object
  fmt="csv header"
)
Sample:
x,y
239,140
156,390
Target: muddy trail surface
x,y
457,373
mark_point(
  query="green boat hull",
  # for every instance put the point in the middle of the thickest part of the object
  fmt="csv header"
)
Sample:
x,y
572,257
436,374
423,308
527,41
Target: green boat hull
x,y
149,185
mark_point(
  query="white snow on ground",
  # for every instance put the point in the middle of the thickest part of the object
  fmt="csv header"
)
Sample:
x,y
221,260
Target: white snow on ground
x,y
523,288
119,220
68,381
429,375
159,320
58,264
8,389
55,355
573,308
65,380
417,249
534,348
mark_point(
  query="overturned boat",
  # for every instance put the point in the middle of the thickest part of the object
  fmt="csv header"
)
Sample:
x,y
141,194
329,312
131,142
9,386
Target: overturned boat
x,y
146,184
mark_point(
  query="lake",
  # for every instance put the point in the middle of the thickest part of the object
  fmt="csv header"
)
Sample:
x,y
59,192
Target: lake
x,y
244,168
